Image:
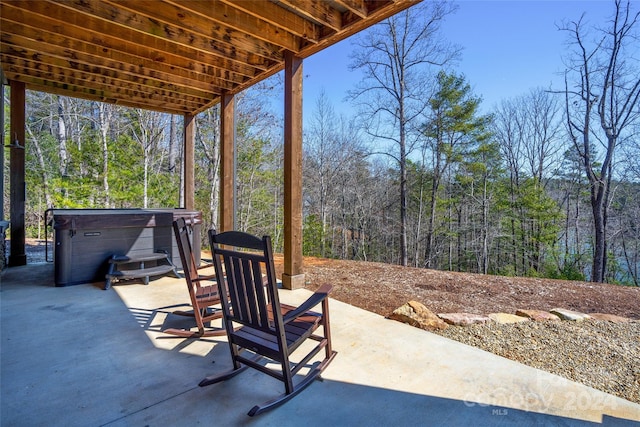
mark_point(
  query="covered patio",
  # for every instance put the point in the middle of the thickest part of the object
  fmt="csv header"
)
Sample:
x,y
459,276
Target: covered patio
x,y
78,356
178,57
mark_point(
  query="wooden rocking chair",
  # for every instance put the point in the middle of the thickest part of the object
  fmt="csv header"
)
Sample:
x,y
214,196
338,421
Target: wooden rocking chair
x,y
259,328
203,291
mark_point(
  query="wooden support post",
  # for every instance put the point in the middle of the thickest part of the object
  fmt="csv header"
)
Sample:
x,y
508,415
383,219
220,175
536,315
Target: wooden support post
x,y
227,163
293,276
18,189
189,160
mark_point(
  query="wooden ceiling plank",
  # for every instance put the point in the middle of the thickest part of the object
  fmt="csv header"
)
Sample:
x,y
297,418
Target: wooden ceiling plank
x,y
320,11
181,25
92,96
102,31
55,44
77,82
87,86
376,14
218,13
81,90
278,17
39,52
142,61
120,15
36,84
62,73
357,7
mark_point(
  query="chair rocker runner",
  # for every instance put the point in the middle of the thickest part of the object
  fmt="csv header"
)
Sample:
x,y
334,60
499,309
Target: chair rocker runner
x,y
203,291
259,328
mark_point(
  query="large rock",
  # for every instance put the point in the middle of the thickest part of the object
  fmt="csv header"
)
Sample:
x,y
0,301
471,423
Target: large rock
x,y
507,318
610,317
537,315
565,314
463,319
416,314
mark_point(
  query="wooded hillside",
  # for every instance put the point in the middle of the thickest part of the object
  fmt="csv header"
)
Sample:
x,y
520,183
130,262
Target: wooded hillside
x,y
500,193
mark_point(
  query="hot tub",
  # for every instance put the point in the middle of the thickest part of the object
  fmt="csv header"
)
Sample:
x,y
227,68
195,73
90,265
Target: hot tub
x,y
85,239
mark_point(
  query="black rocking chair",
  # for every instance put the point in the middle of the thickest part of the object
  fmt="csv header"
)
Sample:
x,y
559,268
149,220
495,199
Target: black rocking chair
x,y
259,328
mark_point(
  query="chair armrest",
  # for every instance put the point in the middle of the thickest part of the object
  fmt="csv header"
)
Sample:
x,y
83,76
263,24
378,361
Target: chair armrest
x,y
206,265
318,296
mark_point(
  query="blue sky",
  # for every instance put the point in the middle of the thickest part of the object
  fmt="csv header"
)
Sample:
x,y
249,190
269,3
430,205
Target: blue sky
x,y
509,47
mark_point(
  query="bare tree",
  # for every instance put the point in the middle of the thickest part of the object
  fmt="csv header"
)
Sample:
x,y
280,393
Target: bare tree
x,y
254,122
148,130
543,140
105,118
527,129
395,57
62,134
629,210
330,146
208,144
602,89
42,163
320,148
258,162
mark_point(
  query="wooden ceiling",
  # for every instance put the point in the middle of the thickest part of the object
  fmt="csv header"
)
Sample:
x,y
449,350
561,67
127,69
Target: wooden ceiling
x,y
176,56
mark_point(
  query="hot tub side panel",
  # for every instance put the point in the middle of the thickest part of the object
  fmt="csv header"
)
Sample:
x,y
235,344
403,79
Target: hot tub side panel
x,y
84,241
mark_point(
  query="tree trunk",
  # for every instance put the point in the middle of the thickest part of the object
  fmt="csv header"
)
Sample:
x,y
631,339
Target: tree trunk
x,y
606,88
43,168
62,138
599,249
404,257
432,211
105,120
173,143
145,202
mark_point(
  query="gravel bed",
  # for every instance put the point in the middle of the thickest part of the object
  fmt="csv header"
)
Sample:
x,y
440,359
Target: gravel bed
x,y
600,354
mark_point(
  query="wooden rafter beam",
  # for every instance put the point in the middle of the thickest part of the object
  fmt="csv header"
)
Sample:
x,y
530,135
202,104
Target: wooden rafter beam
x,y
73,66
235,23
172,55
68,39
44,16
261,57
357,7
317,10
278,17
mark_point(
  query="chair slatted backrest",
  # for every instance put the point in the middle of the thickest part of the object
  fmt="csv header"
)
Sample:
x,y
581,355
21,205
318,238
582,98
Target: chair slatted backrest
x,y
189,266
203,291
255,322
245,281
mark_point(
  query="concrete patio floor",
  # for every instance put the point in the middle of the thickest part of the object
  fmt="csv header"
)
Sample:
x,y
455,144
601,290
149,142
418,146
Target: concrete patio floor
x,y
82,356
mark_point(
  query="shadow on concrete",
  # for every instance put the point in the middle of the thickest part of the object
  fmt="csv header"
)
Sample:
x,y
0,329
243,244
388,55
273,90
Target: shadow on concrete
x,y
79,356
